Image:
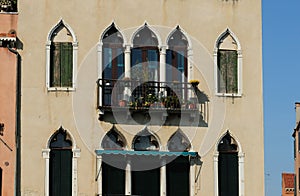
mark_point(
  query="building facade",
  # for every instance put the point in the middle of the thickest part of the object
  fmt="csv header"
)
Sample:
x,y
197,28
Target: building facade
x,y
296,149
288,184
141,98
9,101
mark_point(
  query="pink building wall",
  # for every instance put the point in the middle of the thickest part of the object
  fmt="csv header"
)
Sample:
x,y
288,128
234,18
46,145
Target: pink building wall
x,y
8,78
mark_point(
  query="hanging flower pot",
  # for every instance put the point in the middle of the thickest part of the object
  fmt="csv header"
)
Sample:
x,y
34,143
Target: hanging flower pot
x,y
122,103
194,83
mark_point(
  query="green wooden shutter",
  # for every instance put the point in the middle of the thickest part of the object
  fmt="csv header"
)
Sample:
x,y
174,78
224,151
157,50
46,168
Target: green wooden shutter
x,y
55,64
227,71
66,63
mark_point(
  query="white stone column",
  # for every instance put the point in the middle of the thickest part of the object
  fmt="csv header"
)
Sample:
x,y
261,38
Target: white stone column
x,y
75,57
127,60
216,180
99,174
76,154
192,176
241,174
216,70
100,69
163,178
190,68
46,156
128,177
163,68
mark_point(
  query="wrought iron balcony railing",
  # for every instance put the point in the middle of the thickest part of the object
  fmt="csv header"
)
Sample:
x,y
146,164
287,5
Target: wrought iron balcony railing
x,y
140,96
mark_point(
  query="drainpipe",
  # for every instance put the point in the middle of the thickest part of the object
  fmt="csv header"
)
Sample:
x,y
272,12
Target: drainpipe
x,y
18,123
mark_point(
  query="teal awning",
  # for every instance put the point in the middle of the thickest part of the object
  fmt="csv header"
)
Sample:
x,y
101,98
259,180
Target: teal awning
x,y
147,153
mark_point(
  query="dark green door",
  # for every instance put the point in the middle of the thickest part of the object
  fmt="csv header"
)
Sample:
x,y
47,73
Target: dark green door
x,y
178,177
60,172
146,183
228,174
113,180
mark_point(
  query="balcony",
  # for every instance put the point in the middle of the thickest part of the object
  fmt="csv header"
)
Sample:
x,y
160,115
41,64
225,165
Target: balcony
x,y
167,102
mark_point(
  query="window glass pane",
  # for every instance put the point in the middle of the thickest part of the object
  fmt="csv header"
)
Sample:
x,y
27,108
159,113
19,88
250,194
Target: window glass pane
x,y
180,66
169,65
136,64
152,65
120,62
107,63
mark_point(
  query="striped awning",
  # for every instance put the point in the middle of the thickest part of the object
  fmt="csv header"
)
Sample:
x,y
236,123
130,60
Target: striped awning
x,y
146,153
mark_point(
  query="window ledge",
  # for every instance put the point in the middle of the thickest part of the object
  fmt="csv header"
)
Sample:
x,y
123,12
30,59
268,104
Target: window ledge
x,y
66,89
238,95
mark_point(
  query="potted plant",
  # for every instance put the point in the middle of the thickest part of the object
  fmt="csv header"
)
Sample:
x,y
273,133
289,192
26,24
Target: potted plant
x,y
194,83
122,103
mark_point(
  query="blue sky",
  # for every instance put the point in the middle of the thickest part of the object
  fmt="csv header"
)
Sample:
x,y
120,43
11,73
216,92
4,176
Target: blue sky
x,y
281,42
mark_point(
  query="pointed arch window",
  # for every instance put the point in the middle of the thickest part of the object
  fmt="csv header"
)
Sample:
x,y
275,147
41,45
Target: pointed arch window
x,y
113,62
60,165
228,65
113,166
113,141
228,168
61,58
176,58
179,142
145,141
178,170
113,53
145,56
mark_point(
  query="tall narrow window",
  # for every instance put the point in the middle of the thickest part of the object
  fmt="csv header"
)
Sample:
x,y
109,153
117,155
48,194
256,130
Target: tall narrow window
x,y
113,62
178,169
145,181
145,56
113,166
228,178
177,57
60,178
61,55
228,65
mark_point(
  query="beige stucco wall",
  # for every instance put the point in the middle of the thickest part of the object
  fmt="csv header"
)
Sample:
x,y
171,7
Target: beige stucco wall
x,y
203,21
